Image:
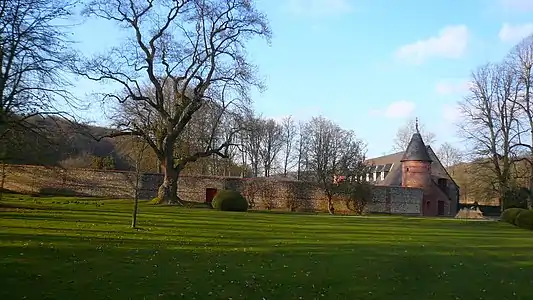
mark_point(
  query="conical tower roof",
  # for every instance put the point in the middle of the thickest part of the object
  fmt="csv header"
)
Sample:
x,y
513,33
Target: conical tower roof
x,y
416,150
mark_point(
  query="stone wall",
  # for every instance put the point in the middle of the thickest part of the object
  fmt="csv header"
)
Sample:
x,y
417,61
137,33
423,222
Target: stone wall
x,y
101,183
38,179
396,200
262,193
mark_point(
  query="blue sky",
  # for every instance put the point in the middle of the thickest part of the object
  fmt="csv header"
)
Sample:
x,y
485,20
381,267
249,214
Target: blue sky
x,y
370,65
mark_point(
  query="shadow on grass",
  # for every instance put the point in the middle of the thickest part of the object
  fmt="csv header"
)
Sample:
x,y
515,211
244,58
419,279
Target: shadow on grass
x,y
86,253
238,223
60,267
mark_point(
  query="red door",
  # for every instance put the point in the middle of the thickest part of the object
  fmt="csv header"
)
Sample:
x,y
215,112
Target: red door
x,y
209,195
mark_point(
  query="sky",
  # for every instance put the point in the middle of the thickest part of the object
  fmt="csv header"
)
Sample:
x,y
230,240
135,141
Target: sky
x,y
368,65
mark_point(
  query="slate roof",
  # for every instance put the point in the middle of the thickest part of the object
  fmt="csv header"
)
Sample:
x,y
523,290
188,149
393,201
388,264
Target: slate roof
x,y
394,176
416,150
384,160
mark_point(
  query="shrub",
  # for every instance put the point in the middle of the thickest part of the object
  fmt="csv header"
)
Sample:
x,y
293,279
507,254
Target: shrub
x,y
509,215
515,197
525,219
228,200
103,163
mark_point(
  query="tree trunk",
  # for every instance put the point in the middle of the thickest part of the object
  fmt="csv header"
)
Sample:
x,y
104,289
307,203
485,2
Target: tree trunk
x,y
2,179
530,187
135,209
168,191
530,198
136,195
331,208
2,166
502,192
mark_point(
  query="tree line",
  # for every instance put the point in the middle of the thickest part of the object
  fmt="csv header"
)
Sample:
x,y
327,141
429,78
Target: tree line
x,y
183,81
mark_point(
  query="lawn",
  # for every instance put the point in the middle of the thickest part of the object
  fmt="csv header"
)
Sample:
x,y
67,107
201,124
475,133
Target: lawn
x,y
53,249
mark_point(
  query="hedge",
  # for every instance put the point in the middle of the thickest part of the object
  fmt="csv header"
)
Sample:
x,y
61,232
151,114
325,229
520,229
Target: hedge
x,y
509,215
525,219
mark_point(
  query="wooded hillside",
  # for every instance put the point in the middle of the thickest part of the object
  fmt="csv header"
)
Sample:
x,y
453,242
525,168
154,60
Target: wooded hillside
x,y
59,142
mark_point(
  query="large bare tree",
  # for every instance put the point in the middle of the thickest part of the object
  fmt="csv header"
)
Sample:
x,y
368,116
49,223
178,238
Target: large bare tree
x,y
406,131
520,60
489,120
193,48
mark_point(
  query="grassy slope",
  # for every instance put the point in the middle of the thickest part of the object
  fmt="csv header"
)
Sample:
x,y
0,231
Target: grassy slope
x,y
85,251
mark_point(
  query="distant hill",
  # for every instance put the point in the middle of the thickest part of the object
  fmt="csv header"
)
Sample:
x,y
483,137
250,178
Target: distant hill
x,y
51,140
60,142
476,181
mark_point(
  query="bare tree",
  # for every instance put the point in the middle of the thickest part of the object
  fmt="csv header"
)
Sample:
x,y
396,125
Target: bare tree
x,y
405,132
138,151
477,181
192,48
333,152
227,166
2,177
449,155
242,152
251,139
271,144
302,157
521,61
289,134
489,120
35,55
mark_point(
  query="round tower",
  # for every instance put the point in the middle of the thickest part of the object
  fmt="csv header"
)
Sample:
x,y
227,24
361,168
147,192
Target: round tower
x,y
416,163
416,169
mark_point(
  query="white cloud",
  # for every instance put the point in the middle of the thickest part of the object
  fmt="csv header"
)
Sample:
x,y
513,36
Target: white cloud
x,y
452,86
399,109
319,7
514,33
519,5
451,42
451,113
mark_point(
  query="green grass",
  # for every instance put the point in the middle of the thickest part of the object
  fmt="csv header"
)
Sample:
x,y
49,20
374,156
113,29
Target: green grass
x,y
55,248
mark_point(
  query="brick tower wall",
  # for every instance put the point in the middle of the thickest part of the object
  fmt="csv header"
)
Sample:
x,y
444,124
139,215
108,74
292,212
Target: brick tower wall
x,y
416,174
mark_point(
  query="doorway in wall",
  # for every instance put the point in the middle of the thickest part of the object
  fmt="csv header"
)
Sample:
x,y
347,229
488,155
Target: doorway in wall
x,y
209,195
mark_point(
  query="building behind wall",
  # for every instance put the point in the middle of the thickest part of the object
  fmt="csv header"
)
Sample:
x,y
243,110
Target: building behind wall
x,y
412,182
418,167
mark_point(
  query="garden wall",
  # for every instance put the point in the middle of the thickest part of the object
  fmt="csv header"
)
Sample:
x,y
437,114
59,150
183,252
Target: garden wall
x,y
263,193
